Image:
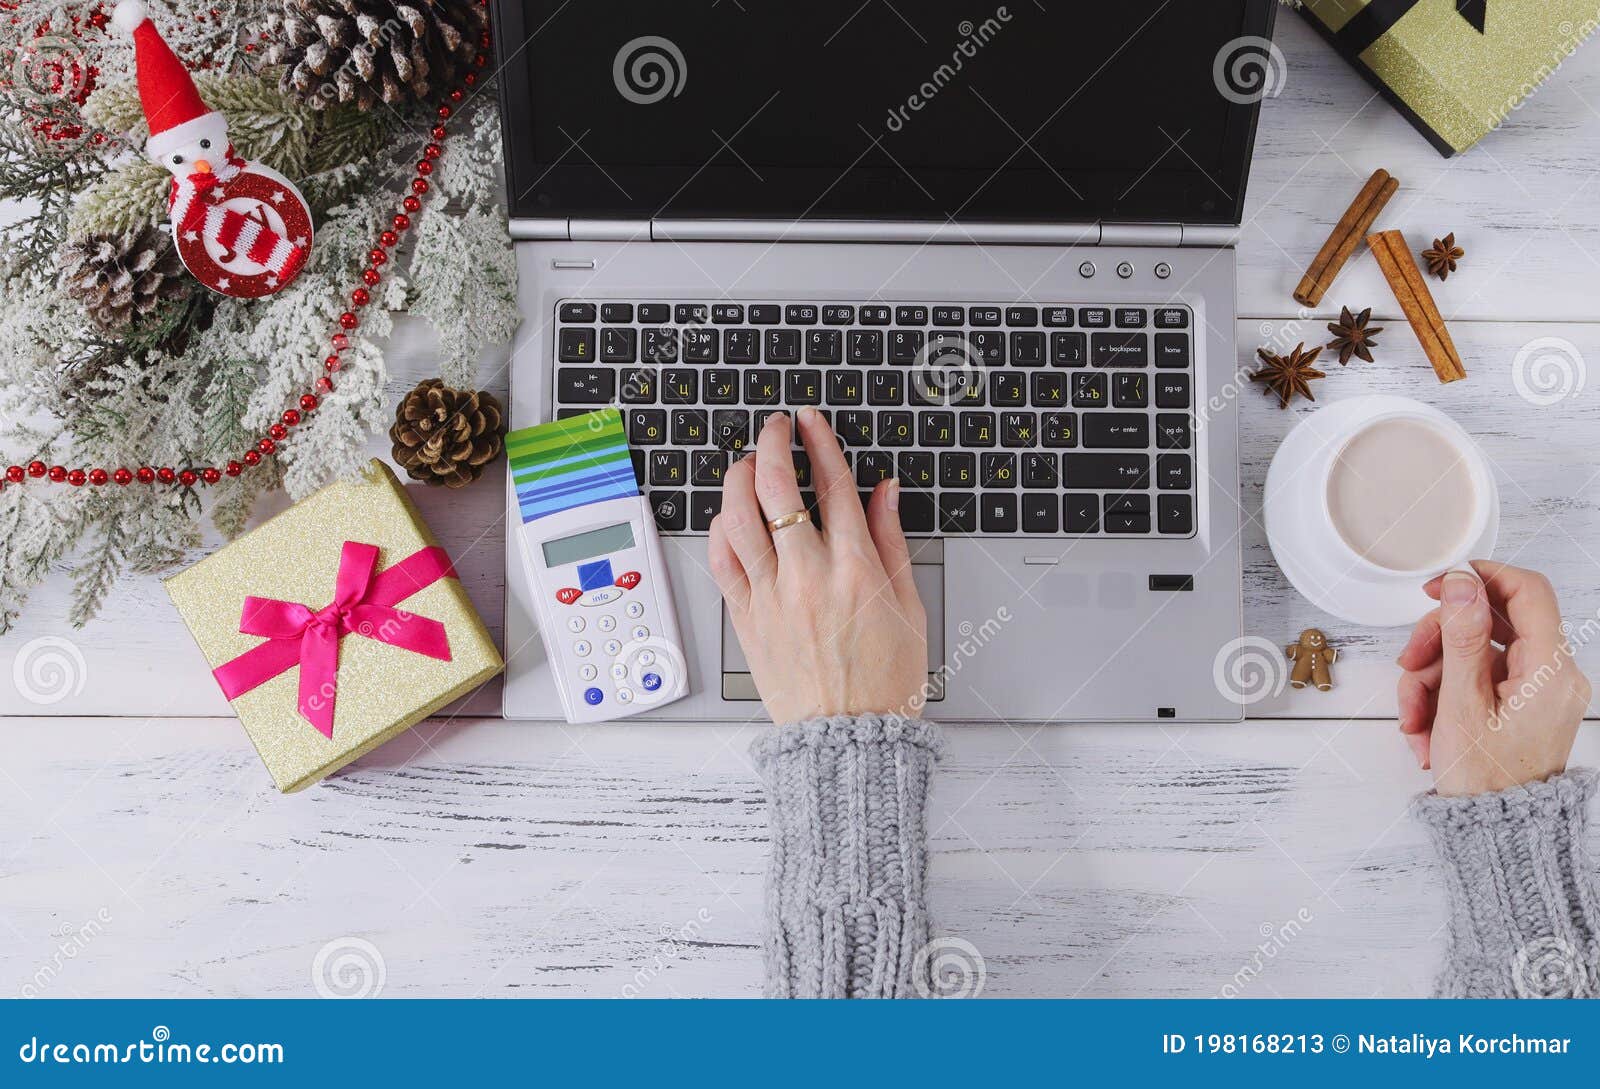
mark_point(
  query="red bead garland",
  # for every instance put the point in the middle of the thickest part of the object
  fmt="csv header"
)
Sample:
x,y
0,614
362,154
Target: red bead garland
x,y
360,297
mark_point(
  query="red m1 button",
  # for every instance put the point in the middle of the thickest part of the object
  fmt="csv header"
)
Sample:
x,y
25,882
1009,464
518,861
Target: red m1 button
x,y
568,595
629,579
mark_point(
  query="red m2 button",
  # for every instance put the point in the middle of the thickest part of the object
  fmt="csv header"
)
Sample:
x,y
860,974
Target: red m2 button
x,y
568,595
629,579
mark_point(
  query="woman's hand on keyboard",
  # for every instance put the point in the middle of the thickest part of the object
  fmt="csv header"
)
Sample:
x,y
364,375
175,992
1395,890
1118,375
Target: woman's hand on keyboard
x,y
1483,718
829,618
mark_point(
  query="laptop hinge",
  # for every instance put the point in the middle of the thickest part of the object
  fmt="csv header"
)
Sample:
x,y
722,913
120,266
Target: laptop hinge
x,y
540,230
1210,234
1141,234
916,232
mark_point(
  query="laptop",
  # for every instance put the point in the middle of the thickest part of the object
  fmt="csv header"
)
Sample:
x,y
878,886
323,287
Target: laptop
x,y
993,244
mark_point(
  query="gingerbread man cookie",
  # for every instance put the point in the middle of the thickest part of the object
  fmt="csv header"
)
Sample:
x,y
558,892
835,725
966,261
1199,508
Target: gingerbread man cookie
x,y
1311,657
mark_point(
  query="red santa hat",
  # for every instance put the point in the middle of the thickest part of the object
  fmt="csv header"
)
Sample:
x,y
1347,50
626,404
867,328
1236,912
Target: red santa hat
x,y
176,113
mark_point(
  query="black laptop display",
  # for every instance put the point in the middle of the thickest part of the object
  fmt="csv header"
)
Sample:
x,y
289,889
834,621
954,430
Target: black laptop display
x,y
1049,111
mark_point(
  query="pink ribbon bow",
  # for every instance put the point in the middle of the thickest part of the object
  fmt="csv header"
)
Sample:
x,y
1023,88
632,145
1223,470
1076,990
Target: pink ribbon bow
x,y
363,604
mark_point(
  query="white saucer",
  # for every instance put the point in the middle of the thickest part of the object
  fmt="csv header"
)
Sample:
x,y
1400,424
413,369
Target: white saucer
x,y
1292,511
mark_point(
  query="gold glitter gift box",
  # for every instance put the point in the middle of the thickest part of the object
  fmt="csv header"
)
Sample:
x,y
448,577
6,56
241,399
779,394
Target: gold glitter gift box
x,y
334,626
1455,69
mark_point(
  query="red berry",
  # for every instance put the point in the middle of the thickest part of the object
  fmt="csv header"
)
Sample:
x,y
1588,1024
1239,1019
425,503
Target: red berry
x,y
325,385
277,431
122,477
58,473
349,320
424,168
187,478
145,475
267,446
445,112
470,79
418,185
252,457
210,475
15,474
456,95
76,478
309,402
480,60
340,342
233,468
378,256
165,475
360,297
371,276
332,363
438,132
412,204
291,417
36,469
98,477
432,151
389,239
402,222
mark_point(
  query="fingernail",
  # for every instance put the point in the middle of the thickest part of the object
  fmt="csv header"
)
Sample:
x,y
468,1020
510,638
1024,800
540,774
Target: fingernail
x,y
808,414
891,496
1460,588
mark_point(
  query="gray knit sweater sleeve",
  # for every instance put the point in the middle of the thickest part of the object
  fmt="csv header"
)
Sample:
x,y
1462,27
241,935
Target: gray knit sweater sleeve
x,y
846,887
1523,892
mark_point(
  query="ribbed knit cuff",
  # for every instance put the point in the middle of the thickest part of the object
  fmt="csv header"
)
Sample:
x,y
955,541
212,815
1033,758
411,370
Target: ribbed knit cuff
x,y
1523,893
846,888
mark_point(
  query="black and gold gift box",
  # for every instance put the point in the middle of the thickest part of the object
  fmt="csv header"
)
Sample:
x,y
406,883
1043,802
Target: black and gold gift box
x,y
1456,69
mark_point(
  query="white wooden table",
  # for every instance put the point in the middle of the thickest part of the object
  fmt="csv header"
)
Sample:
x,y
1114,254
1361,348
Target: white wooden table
x,y
143,851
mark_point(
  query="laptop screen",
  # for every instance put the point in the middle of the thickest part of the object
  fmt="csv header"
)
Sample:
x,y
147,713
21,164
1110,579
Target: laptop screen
x,y
1035,110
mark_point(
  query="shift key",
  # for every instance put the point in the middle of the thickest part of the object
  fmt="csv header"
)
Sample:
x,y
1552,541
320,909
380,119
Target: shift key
x,y
1126,472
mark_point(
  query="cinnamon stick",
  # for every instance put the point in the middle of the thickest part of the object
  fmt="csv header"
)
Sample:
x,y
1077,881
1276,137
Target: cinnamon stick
x,y
1347,233
1411,292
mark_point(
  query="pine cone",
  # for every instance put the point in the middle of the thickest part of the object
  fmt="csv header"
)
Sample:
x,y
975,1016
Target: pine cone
x,y
121,278
446,436
364,51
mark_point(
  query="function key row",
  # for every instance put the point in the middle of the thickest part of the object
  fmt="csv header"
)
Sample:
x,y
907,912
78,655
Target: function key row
x,y
944,316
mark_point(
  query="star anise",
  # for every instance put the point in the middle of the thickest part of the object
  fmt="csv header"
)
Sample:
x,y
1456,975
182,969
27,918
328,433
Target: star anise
x,y
1287,375
1352,337
1443,256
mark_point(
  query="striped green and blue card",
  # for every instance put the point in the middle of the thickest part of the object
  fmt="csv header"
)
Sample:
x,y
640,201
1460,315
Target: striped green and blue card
x,y
570,463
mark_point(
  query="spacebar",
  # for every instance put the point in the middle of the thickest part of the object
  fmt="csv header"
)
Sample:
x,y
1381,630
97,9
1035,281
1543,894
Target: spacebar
x,y
1105,470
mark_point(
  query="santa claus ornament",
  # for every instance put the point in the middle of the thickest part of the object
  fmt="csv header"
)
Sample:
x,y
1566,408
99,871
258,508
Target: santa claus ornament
x,y
242,229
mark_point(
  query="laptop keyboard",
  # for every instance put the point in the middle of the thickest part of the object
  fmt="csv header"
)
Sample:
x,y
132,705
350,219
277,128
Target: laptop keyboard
x,y
998,420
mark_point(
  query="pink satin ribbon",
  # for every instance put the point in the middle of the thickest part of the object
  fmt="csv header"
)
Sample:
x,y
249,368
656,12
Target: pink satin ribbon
x,y
363,604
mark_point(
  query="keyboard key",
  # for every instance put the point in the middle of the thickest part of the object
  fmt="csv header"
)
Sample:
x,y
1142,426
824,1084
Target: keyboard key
x,y
997,470
800,314
824,346
762,415
585,386
1175,514
977,429
1057,316
958,469
875,315
1128,523
886,387
669,510
741,346
1019,429
730,429
680,387
619,345
1172,430
915,469
1081,513
1172,349
1172,391
576,345
1172,317
984,315
989,348
854,427
1008,388
1040,471
1117,430
689,427
699,345
721,387
703,507
1022,315
802,469
1060,429
838,315
1110,471
873,466
691,314
577,311
936,429
1069,349
727,313
844,388
647,426
1130,317
801,387
916,512
905,345
1129,390
865,347
616,312
706,467
763,386
1027,349
660,346
1130,503
1174,472
1040,514
911,315
895,429
958,513
654,313
783,346
1088,390
668,467
949,315
638,387
1094,317
765,314
1120,349
999,512
1049,390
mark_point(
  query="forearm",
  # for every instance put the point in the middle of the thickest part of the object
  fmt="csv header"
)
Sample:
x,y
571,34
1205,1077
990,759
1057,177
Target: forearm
x,y
1523,892
846,887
